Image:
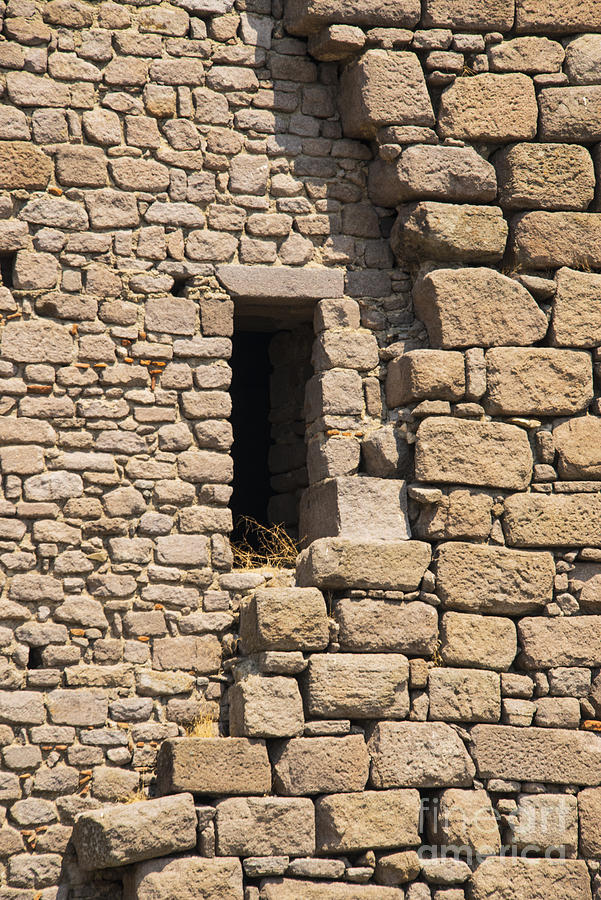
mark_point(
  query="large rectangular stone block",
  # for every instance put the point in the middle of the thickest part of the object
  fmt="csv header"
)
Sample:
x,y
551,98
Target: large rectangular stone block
x,y
485,15
546,820
561,641
367,624
589,810
357,686
461,451
549,240
578,444
292,889
489,107
309,16
554,755
545,176
265,826
320,765
347,823
213,766
538,381
464,695
425,375
542,16
506,878
483,642
554,520
335,564
576,309
359,508
287,283
418,754
284,619
266,707
451,232
182,878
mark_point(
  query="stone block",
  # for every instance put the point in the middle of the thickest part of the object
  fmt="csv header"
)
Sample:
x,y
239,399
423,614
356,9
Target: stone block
x,y
464,695
545,176
348,823
284,619
358,508
555,520
561,641
336,42
346,349
125,834
281,282
482,454
487,15
589,813
23,166
266,707
292,889
425,375
531,55
22,707
449,232
583,54
550,240
477,307
577,442
308,16
37,341
576,318
77,707
482,642
198,653
485,579
537,381
265,826
545,821
418,754
217,878
337,392
334,564
489,107
357,686
385,452
506,878
213,766
556,756
459,515
78,166
555,16
173,315
381,88
382,625
465,819
320,765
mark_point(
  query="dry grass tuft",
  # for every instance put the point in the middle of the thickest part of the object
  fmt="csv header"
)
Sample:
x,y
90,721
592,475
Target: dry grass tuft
x,y
138,794
203,726
271,547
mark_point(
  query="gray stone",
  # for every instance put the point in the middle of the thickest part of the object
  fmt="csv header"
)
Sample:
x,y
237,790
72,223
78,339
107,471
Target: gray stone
x,y
489,108
535,176
465,819
546,820
284,619
537,381
320,765
487,15
549,240
382,625
357,508
37,341
561,641
553,520
266,706
483,642
292,889
265,826
576,309
281,283
357,686
464,695
336,564
308,16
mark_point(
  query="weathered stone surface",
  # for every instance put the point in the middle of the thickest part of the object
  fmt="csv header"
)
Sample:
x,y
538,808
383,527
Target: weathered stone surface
x,y
489,454
213,766
484,642
582,59
418,754
320,765
21,707
477,307
556,520
557,756
464,695
578,443
266,707
553,879
570,114
576,318
450,232
120,835
23,165
383,88
489,107
282,282
531,55
219,878
284,619
545,176
37,340
561,641
465,819
425,375
546,820
549,240
556,16
308,16
291,889
357,508
265,826
336,42
357,686
485,579
335,564
589,811
381,625
537,381
487,15
346,823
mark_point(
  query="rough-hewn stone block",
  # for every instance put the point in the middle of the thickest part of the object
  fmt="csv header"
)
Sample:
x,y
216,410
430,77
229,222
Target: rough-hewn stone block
x,y
538,381
23,165
486,15
557,16
320,765
219,878
37,341
382,88
549,240
418,754
545,176
561,641
477,307
489,107
266,707
213,766
335,564
589,811
425,375
465,819
531,55
308,16
578,443
458,451
449,232
576,318
291,889
464,695
357,508
281,282
410,628
546,820
284,619
483,642
582,59
346,823
265,826
556,520
357,686
508,878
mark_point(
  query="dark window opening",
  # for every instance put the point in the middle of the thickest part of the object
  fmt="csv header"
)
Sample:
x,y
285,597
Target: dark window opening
x,y
179,287
34,660
7,262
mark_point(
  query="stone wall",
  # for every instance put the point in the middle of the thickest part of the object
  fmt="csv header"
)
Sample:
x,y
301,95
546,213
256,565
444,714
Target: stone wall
x,y
416,182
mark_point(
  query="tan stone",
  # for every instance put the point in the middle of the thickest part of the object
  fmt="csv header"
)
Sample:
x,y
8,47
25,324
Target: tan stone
x,y
265,826
425,375
583,55
335,564
578,443
556,520
488,454
308,16
508,878
477,307
449,232
465,819
488,107
284,619
484,642
355,507
576,309
382,88
531,55
537,381
418,754
557,16
291,889
561,641
213,766
22,165
589,811
464,695
549,240
397,868
570,113
459,515
486,15
198,877
357,686
556,756
347,823
281,282
266,707
382,625
546,820
545,176
320,765
335,42
486,579
36,341
81,166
